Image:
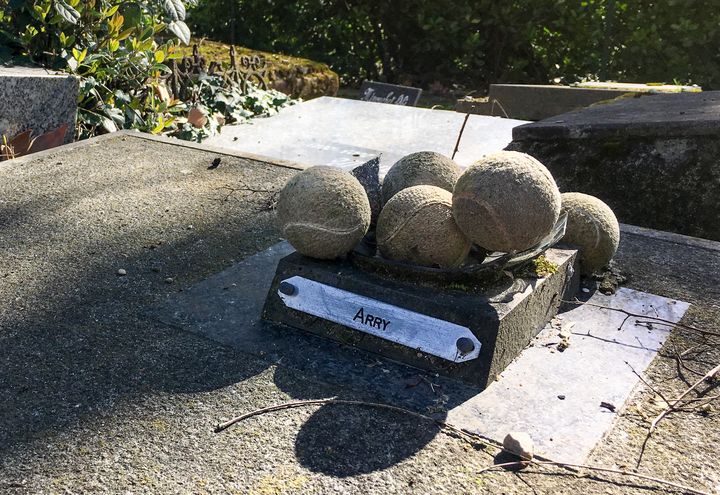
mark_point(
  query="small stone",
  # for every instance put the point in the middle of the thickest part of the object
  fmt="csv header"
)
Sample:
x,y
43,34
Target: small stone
x,y
564,334
561,397
706,409
121,272
585,290
520,444
169,280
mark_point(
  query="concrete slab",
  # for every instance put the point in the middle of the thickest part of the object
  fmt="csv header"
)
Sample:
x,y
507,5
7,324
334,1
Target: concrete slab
x,y
227,308
346,133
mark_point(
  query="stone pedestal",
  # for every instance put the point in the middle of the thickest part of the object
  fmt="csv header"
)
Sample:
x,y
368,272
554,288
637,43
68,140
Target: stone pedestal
x,y
460,330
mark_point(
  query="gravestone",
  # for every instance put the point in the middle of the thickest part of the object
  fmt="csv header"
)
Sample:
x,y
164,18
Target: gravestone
x,y
653,160
37,100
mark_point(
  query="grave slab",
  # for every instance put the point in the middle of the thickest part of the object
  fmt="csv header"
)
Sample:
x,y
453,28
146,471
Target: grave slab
x,y
96,396
346,133
652,159
595,368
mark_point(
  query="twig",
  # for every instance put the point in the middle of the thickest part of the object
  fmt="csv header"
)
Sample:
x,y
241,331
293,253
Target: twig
x,y
653,389
462,432
462,129
671,405
645,477
655,319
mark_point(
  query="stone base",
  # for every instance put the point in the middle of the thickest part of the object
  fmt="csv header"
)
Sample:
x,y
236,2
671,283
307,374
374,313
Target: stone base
x,y
503,318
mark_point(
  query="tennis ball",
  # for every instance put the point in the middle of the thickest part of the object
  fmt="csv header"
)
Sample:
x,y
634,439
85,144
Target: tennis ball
x,y
417,226
593,227
507,201
323,212
424,168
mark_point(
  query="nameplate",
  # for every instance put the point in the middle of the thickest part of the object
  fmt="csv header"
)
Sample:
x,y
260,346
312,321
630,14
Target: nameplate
x,y
389,93
408,328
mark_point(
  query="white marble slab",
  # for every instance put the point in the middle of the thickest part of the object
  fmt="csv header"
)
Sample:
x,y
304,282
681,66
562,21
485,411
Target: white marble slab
x,y
595,368
347,133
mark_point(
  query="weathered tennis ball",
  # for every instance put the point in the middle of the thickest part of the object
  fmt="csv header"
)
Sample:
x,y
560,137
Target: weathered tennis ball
x,y
323,212
593,227
424,168
417,226
507,201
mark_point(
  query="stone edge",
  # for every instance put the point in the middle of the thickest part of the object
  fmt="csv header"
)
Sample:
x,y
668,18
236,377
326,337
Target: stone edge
x,y
150,137
661,235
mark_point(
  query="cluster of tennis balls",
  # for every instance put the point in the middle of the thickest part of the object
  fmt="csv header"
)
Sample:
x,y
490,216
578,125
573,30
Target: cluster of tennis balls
x,y
433,212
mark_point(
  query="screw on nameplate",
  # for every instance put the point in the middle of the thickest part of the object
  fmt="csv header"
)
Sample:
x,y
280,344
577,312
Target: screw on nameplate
x,y
465,345
288,289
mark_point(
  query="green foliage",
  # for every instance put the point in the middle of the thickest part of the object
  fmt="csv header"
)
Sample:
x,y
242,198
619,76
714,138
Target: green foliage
x,y
476,42
120,50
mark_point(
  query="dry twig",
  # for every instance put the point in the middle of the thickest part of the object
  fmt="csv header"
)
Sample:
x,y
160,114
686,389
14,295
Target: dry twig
x,y
459,431
661,481
656,319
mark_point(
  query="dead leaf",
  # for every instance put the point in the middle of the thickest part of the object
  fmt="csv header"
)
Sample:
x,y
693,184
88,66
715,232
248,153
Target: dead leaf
x,y
197,118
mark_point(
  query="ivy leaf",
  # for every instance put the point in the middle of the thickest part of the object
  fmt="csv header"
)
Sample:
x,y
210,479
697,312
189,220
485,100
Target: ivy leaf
x,y
180,29
67,12
175,9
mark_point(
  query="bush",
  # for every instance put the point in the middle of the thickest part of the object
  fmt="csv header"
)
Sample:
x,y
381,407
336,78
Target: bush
x,y
477,42
120,50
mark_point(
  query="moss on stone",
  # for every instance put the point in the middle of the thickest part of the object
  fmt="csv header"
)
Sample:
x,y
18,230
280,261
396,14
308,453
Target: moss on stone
x,y
298,77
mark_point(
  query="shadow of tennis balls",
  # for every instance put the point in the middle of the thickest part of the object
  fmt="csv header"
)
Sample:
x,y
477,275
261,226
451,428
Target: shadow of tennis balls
x,y
593,227
507,201
323,212
424,168
417,226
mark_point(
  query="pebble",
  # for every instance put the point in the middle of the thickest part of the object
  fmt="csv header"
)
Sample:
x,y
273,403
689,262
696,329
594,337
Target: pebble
x,y
585,290
121,272
169,280
520,444
561,397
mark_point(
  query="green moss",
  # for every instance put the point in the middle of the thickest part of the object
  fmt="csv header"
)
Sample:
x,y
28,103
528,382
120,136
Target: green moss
x,y
543,267
220,52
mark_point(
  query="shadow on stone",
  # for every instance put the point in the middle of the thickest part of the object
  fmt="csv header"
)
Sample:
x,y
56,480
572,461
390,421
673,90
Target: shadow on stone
x,y
342,441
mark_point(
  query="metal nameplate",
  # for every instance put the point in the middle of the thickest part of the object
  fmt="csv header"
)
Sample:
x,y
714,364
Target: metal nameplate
x,y
420,332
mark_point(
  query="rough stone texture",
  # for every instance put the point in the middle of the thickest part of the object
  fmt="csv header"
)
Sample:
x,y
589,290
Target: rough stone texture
x,y
323,212
417,226
95,397
592,226
652,160
506,202
424,168
37,100
520,444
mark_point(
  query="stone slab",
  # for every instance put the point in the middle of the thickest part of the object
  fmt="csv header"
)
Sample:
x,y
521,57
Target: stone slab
x,y
662,115
346,133
538,101
227,308
501,318
653,160
38,100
